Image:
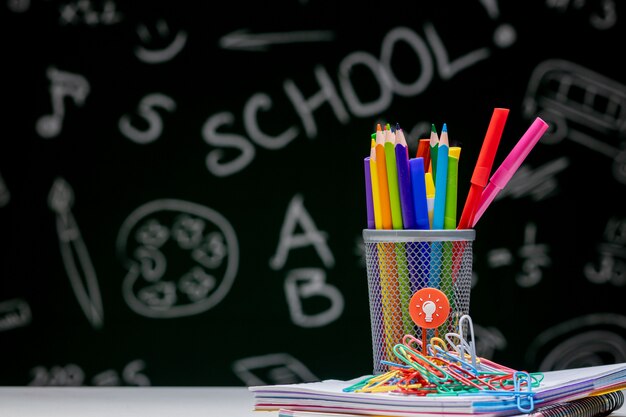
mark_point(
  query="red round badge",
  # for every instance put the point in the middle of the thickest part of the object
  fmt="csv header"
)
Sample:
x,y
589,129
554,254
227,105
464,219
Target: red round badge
x,y
429,308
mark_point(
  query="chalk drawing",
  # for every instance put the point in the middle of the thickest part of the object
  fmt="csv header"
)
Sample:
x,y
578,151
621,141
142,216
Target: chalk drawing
x,y
181,258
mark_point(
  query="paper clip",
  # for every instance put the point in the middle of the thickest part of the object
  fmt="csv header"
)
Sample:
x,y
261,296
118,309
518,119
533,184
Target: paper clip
x,y
496,366
471,345
460,351
460,357
358,385
436,342
519,378
394,365
417,361
410,340
374,384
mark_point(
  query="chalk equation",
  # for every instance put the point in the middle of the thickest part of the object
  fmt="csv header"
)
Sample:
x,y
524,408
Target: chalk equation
x,y
610,266
539,183
14,313
534,256
181,258
72,375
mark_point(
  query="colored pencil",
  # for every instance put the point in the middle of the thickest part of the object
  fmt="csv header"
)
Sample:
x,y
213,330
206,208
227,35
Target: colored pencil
x,y
441,179
392,180
423,151
434,147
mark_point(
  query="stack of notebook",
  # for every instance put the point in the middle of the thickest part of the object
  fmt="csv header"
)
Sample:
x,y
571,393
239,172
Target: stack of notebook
x,y
582,392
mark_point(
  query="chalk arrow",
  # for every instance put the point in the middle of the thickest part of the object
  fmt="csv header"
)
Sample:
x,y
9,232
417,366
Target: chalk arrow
x,y
242,40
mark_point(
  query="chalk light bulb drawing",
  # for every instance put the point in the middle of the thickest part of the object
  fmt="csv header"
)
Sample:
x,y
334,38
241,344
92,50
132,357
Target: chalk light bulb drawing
x,y
429,308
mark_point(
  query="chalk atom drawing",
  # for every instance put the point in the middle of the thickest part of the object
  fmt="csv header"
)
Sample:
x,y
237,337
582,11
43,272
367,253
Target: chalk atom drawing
x,y
182,258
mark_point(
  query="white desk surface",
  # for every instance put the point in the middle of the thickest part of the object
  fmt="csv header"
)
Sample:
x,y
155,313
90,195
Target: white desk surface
x,y
135,402
128,402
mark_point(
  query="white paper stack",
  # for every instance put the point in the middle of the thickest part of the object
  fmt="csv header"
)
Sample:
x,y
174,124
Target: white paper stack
x,y
328,396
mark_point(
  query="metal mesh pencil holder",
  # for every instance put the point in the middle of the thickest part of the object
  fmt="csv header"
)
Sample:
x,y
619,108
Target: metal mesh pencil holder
x,y
401,262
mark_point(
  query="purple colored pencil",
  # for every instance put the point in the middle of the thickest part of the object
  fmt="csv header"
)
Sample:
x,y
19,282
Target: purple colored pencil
x,y
371,224
404,184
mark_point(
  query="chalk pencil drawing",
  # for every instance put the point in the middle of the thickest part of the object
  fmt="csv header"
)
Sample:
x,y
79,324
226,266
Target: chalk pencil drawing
x,y
76,259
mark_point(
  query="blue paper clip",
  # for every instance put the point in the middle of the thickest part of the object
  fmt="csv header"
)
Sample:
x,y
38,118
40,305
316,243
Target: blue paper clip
x,y
453,359
460,350
519,378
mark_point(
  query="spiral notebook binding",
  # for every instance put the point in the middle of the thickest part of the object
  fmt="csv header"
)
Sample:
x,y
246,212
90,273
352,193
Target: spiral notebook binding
x,y
593,406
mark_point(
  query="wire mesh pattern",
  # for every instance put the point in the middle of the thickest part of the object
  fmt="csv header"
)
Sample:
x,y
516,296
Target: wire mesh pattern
x,y
396,270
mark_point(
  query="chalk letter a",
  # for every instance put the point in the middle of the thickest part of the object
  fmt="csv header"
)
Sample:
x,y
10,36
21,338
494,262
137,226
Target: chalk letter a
x,y
297,215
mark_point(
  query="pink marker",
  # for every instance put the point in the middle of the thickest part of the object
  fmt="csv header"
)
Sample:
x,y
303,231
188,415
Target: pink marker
x,y
510,165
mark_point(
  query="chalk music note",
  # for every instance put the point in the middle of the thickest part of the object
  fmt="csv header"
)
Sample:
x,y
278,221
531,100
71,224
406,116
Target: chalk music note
x,y
74,253
62,84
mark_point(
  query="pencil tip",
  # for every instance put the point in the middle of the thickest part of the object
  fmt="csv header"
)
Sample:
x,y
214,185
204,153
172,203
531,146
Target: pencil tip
x,y
433,129
398,126
444,128
378,128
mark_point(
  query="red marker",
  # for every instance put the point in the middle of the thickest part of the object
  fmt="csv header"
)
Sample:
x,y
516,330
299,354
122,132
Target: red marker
x,y
482,170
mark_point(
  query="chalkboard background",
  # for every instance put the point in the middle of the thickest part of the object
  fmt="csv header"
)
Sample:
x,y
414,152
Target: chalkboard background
x,y
182,193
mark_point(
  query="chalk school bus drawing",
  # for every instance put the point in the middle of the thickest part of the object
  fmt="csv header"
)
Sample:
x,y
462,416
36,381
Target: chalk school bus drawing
x,y
582,106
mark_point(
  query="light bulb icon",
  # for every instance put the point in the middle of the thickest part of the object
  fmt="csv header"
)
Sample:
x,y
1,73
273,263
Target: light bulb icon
x,y
429,308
